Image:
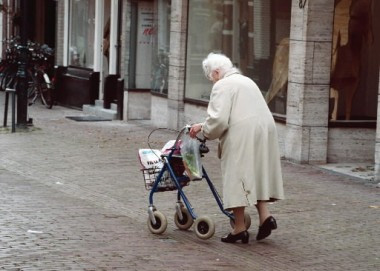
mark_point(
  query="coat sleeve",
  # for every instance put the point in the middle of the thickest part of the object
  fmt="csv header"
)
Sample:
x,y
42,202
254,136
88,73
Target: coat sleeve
x,y
218,111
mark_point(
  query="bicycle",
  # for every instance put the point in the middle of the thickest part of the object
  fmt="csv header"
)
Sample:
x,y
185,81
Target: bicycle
x,y
39,66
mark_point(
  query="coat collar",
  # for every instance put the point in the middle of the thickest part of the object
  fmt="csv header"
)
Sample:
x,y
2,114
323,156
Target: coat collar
x,y
231,72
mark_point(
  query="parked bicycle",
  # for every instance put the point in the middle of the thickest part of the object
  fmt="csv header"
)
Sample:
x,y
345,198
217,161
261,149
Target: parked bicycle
x,y
38,72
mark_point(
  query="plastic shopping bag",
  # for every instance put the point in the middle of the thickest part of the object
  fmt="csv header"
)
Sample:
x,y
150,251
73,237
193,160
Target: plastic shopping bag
x,y
151,168
166,149
191,157
150,158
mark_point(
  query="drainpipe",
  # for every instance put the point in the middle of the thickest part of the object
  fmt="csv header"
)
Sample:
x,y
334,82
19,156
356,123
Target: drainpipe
x,y
119,27
114,18
98,41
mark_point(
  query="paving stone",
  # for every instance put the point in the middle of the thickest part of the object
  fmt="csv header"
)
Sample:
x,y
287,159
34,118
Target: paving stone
x,y
73,198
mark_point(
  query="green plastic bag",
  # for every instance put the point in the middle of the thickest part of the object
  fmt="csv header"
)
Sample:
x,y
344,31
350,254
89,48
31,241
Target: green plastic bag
x,y
191,157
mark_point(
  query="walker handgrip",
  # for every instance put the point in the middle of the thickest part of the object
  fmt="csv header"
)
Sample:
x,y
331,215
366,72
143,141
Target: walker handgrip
x,y
187,128
203,148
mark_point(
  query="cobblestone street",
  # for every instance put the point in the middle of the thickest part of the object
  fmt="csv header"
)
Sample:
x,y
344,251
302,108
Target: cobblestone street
x,y
72,197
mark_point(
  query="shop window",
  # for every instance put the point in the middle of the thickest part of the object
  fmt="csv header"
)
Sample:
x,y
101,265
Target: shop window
x,y
355,61
253,33
141,43
149,45
82,28
160,47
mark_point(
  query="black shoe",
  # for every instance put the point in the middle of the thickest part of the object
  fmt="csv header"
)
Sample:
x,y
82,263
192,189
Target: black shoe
x,y
266,229
232,238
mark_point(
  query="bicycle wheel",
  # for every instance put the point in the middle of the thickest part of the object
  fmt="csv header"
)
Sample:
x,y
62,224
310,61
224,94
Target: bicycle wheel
x,y
32,88
46,96
46,91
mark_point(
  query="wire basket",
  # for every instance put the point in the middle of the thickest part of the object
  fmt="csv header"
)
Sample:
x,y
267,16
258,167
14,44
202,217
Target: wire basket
x,y
165,184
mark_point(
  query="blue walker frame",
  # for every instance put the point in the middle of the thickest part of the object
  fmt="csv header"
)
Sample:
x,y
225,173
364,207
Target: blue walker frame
x,y
179,183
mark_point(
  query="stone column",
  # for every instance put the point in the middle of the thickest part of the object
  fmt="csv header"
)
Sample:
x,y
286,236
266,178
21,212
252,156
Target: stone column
x,y
377,149
309,81
177,63
114,20
125,41
60,35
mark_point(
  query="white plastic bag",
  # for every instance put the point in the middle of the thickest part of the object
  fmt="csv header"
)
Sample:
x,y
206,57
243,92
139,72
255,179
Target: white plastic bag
x,y
150,158
191,157
152,165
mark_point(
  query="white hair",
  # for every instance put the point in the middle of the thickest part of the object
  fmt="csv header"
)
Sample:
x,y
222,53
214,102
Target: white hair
x,y
215,61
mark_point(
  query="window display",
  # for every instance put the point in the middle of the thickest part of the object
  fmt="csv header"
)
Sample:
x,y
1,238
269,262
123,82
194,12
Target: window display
x,y
355,60
144,42
148,57
253,33
82,28
161,46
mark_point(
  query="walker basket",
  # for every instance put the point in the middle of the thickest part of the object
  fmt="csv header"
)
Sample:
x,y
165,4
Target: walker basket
x,y
150,176
165,183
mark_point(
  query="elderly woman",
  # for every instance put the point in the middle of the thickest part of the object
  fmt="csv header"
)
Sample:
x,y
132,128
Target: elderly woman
x,y
248,147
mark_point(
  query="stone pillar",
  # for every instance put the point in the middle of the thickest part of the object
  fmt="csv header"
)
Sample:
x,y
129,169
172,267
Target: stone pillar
x,y
377,149
114,29
125,41
98,37
60,28
309,81
177,63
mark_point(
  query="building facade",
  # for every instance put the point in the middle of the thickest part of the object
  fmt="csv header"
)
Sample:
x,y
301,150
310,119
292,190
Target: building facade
x,y
316,63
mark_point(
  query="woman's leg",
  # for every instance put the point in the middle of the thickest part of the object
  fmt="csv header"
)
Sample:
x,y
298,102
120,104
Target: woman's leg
x,y
239,233
239,220
267,222
262,208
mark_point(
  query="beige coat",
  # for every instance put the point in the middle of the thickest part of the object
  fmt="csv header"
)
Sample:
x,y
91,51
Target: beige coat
x,y
248,146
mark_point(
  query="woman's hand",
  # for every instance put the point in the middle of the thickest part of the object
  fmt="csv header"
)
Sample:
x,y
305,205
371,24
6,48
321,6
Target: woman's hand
x,y
195,129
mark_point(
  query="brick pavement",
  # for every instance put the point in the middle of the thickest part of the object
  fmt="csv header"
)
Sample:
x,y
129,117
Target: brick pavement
x,y
72,198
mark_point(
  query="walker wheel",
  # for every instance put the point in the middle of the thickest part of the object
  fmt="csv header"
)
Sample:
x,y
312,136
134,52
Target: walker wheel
x,y
247,221
204,227
161,223
186,222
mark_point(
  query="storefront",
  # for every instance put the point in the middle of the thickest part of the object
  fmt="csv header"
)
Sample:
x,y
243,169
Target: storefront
x,y
147,51
316,63
113,46
320,79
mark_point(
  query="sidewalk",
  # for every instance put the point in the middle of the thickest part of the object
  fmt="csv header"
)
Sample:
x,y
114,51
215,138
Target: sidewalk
x,y
73,198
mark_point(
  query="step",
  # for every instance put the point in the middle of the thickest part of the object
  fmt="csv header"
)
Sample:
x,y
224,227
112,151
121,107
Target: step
x,y
99,111
89,109
99,103
107,113
114,106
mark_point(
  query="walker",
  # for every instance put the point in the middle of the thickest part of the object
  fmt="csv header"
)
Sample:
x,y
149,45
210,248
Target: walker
x,y
167,173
